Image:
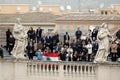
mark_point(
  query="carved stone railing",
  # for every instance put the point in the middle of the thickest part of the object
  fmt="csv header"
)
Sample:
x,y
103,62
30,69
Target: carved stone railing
x,y
44,70
63,70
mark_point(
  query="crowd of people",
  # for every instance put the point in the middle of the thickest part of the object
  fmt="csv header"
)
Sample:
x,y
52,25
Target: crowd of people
x,y
83,48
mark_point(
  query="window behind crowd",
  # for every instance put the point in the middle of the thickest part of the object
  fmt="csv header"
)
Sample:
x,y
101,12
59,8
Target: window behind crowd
x,y
50,30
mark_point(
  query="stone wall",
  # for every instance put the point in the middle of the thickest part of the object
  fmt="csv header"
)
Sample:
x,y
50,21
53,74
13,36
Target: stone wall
x,y
43,70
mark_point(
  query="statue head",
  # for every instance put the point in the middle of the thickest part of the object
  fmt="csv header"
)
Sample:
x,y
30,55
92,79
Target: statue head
x,y
104,25
18,20
18,27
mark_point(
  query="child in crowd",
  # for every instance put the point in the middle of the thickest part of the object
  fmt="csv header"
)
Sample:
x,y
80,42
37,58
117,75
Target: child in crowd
x,y
69,54
39,54
89,47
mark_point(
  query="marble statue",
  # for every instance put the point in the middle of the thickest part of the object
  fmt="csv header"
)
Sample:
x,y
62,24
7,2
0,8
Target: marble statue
x,y
103,38
20,36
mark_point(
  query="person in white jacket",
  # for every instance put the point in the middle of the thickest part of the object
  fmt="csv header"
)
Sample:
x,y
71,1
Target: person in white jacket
x,y
69,54
89,47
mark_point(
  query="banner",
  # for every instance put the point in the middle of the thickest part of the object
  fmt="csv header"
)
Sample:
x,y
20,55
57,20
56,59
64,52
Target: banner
x,y
50,57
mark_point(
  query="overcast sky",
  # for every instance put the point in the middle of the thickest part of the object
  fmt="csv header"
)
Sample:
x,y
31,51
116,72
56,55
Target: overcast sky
x,y
89,4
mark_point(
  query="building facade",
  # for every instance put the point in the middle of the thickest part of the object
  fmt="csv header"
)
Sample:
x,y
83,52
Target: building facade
x,y
44,20
70,23
111,10
13,8
51,23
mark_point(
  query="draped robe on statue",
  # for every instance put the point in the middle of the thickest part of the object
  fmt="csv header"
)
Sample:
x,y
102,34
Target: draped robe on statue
x,y
21,41
103,39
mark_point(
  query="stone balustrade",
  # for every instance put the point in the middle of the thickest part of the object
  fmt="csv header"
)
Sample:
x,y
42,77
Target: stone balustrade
x,y
63,70
44,70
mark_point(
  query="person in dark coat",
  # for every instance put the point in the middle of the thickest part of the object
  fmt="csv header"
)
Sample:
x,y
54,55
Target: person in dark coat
x,y
75,56
62,55
33,35
118,49
118,34
48,40
55,37
78,33
30,50
66,43
94,34
39,34
8,33
11,42
79,48
30,31
57,47
84,53
1,51
66,37
73,45
43,38
94,47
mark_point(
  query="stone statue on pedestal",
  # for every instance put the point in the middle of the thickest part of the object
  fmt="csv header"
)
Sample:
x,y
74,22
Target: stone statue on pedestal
x,y
20,36
103,38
